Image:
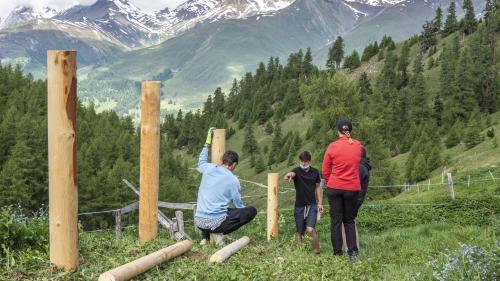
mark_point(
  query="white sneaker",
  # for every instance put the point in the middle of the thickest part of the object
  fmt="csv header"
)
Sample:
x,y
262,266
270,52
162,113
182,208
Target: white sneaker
x,y
219,239
203,242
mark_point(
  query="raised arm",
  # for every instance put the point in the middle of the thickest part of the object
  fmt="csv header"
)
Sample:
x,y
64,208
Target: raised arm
x,y
203,160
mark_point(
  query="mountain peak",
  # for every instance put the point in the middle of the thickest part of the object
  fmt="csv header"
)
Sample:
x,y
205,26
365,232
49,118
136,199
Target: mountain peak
x,y
22,14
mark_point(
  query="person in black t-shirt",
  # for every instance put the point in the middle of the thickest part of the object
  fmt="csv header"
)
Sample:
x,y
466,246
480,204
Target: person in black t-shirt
x,y
308,199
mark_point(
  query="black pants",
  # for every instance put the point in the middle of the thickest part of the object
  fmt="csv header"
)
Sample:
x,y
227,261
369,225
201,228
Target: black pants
x,y
343,210
235,219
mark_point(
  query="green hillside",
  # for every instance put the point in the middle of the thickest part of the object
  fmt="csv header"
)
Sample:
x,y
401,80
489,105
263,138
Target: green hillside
x,y
398,242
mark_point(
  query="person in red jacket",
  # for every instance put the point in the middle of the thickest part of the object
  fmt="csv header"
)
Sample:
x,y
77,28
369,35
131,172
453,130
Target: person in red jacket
x,y
341,174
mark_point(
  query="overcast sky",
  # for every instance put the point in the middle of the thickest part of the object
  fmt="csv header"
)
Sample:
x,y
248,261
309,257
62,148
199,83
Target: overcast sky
x,y
148,5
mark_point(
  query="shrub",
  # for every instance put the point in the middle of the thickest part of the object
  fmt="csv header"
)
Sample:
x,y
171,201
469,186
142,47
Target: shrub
x,y
18,231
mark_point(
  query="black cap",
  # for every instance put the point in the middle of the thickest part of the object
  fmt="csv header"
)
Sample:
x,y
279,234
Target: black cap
x,y
344,125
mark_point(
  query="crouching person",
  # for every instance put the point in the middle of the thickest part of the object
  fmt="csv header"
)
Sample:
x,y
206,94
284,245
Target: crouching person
x,y
218,188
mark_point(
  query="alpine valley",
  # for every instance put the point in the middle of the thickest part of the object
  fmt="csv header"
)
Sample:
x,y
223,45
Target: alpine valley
x,y
198,46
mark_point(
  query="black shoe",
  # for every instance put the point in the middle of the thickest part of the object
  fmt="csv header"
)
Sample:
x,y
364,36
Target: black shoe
x,y
352,257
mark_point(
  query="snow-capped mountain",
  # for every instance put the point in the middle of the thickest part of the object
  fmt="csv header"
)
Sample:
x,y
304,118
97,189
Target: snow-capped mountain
x,y
23,14
384,3
116,18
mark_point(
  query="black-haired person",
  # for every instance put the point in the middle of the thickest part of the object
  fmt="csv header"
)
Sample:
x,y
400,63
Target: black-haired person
x,y
218,188
308,199
364,178
341,173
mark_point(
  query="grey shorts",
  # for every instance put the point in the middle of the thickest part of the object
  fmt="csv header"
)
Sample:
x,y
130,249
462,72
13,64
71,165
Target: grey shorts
x,y
305,216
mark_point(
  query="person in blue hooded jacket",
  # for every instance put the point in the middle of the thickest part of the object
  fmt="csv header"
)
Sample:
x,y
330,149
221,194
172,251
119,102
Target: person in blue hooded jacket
x,y
219,187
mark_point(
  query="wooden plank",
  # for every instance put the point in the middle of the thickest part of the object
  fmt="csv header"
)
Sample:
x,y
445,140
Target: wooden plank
x,y
176,206
62,141
162,219
129,208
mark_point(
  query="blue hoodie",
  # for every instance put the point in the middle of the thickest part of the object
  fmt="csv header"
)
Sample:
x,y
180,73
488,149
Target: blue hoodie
x,y
218,188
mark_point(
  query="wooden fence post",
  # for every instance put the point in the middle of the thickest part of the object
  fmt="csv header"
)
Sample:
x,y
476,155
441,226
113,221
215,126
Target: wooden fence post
x,y
429,185
218,146
63,189
118,226
272,205
451,190
149,161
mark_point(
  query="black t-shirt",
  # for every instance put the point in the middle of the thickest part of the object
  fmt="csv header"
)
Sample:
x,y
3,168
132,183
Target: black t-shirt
x,y
305,186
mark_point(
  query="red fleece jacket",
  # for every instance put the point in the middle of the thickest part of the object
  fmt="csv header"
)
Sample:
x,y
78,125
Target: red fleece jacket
x,y
344,157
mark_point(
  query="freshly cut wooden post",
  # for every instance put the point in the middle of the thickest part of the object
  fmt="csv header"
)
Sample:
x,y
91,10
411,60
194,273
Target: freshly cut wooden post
x,y
63,190
150,160
134,268
272,205
218,149
230,249
218,146
451,190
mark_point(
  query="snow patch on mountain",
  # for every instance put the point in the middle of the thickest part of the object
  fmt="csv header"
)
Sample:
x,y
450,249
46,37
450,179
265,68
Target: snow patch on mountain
x,y
377,2
22,14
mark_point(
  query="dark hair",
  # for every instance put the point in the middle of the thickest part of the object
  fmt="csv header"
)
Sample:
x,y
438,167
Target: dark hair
x,y
344,125
305,156
363,152
230,157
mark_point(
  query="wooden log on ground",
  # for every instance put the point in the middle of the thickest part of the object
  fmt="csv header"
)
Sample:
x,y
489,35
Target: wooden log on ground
x,y
230,249
149,160
63,190
141,265
272,205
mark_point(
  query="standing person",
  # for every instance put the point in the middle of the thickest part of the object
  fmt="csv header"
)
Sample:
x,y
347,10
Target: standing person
x,y
364,178
308,199
218,188
341,174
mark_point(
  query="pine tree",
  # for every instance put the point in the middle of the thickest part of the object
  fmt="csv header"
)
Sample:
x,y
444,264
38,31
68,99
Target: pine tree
x,y
403,63
438,110
451,24
269,128
259,164
307,66
335,54
250,144
428,36
473,134
352,61
277,142
453,137
437,21
469,22
421,171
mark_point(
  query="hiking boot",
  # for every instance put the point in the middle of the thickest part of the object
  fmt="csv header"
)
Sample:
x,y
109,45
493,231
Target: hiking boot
x,y
352,257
